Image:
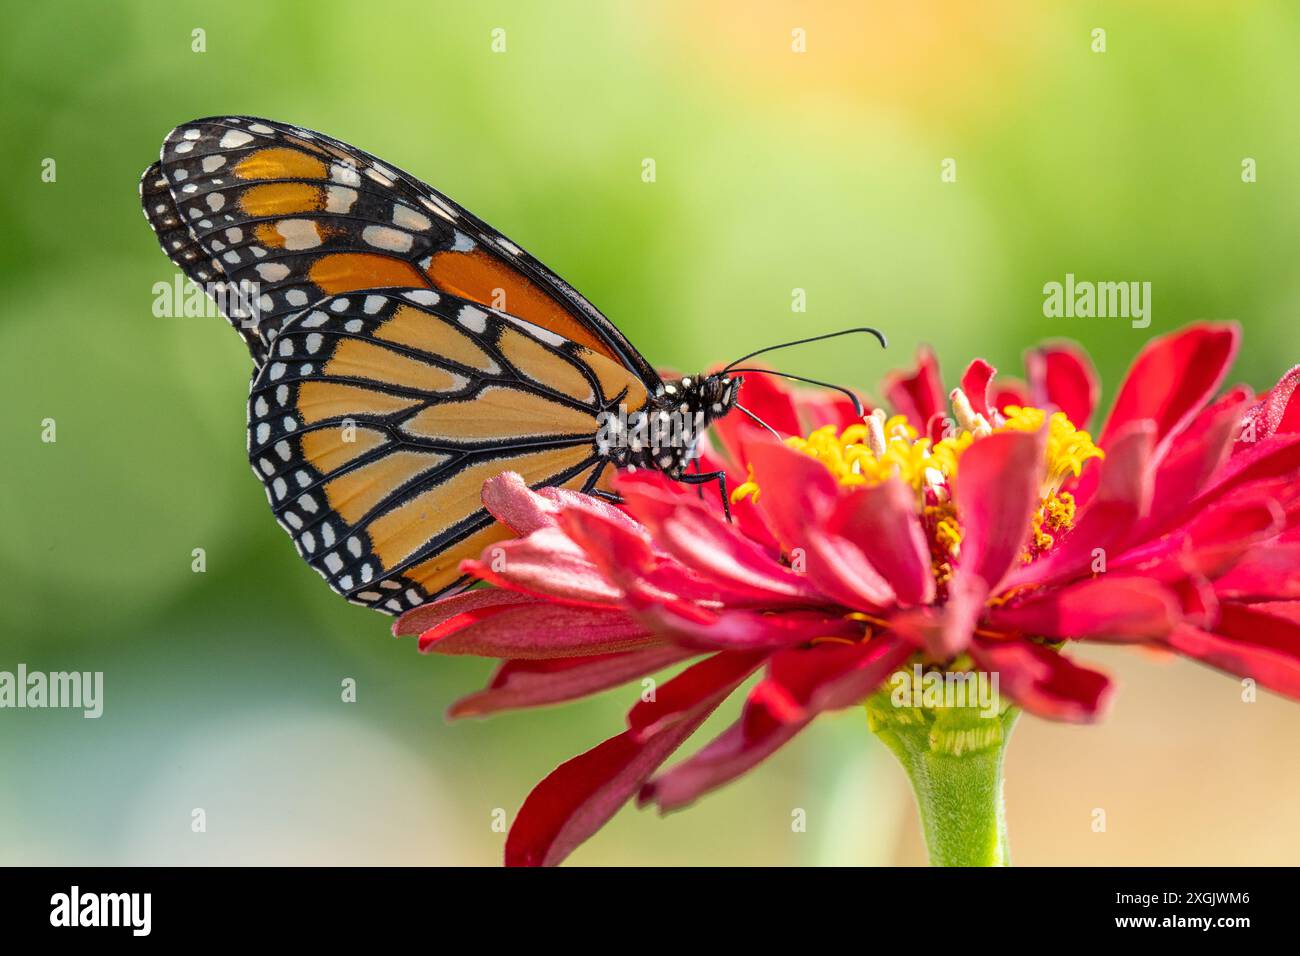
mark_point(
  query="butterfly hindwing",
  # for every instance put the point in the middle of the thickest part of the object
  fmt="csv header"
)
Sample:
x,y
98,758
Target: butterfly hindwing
x,y
378,415
300,216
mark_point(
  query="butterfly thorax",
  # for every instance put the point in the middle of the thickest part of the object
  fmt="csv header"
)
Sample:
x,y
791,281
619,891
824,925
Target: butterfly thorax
x,y
665,434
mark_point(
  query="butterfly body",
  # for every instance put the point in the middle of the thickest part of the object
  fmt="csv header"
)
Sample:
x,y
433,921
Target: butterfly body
x,y
405,352
664,435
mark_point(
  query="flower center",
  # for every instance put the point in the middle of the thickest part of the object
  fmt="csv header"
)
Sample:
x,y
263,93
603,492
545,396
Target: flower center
x,y
880,448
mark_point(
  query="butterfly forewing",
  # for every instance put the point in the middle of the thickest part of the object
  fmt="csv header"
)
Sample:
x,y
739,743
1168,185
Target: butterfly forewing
x,y
301,216
378,415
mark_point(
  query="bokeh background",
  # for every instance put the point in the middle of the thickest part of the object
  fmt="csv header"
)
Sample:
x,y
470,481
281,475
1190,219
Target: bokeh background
x,y
776,170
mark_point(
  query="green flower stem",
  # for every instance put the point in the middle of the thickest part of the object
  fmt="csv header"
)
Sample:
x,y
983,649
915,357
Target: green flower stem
x,y
953,756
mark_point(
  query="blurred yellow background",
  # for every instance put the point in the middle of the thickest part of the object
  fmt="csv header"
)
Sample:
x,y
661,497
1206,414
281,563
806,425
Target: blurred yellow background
x,y
775,170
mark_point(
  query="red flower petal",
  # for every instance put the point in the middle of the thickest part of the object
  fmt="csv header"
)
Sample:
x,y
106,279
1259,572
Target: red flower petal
x,y
1109,608
1249,642
1061,375
797,489
842,572
918,395
821,407
1213,539
975,383
1173,377
1279,409
1190,460
677,699
1268,572
579,796
1275,457
420,619
996,492
715,549
744,630
532,683
853,542
546,563
1043,681
643,574
537,630
799,684
882,522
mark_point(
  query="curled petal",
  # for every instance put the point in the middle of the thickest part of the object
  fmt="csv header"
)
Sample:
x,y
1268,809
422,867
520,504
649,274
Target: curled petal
x,y
509,499
677,699
975,383
918,395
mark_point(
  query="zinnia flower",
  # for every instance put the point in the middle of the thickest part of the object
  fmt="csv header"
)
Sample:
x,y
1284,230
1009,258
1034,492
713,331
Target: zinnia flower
x,y
975,531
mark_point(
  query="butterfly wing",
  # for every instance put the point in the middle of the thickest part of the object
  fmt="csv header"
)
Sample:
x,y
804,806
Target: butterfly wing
x,y
303,216
378,415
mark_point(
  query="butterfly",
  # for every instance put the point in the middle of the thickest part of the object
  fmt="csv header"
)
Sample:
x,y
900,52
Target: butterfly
x,y
405,352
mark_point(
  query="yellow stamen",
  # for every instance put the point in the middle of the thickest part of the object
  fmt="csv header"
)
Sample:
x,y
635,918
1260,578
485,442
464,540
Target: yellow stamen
x,y
748,489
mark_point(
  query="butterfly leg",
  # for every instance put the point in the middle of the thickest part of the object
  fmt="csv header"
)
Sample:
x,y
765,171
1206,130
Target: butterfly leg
x,y
699,488
611,497
704,477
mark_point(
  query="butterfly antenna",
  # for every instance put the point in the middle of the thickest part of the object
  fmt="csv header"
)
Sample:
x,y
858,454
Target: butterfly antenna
x,y
880,336
857,403
759,420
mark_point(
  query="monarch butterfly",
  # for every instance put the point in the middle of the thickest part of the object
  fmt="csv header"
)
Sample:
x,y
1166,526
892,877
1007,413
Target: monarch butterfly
x,y
405,351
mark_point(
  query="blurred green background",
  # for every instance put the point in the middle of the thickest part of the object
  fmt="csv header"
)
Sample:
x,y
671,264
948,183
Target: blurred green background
x,y
776,170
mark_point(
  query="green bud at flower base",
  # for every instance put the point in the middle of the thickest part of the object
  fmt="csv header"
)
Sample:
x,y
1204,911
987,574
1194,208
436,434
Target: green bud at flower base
x,y
950,734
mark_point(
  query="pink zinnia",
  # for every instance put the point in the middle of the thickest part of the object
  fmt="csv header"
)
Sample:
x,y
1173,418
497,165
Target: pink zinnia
x,y
981,539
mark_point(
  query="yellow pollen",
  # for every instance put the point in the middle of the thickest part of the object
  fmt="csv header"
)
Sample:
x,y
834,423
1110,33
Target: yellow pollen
x,y
878,448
